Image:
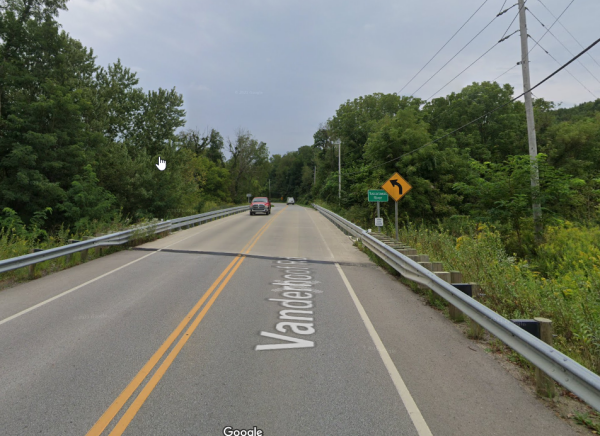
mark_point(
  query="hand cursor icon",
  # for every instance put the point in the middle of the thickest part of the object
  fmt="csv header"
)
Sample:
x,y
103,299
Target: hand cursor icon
x,y
162,164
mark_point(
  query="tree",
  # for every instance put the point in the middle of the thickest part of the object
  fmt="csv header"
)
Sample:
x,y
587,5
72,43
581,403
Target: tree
x,y
248,165
45,97
494,138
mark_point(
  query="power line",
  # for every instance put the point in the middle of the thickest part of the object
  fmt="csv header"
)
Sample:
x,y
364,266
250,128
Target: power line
x,y
548,53
465,46
484,115
511,68
502,6
560,42
576,40
502,39
548,29
513,20
472,63
447,42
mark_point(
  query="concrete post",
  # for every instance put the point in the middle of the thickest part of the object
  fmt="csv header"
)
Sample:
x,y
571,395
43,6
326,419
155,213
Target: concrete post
x,y
544,384
455,314
457,276
445,276
426,265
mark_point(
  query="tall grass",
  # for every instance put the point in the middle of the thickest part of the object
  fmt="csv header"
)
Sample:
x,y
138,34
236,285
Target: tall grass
x,y
567,293
17,239
561,283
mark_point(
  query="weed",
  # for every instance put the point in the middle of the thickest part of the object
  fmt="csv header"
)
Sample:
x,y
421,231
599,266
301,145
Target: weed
x,y
586,420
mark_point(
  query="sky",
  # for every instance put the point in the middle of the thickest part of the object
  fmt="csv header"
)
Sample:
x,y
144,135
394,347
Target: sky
x,y
280,68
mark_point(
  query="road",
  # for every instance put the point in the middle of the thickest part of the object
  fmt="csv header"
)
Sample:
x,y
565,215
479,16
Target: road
x,y
275,324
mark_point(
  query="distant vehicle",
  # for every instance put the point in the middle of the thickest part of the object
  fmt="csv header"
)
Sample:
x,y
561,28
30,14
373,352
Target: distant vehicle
x,y
290,200
260,205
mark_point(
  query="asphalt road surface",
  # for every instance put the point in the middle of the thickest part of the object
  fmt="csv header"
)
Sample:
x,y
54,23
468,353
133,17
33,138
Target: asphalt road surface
x,y
276,325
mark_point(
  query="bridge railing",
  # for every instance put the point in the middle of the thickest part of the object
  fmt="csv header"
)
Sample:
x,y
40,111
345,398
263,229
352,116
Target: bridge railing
x,y
564,370
118,238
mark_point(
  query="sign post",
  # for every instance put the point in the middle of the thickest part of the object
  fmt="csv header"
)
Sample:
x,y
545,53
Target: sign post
x,y
397,187
249,197
377,195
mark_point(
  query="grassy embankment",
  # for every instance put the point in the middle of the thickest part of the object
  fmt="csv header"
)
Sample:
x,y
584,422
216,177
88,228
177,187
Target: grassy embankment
x,y
17,239
562,282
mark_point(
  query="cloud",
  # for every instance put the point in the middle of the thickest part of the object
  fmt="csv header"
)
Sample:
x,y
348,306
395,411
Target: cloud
x,y
306,57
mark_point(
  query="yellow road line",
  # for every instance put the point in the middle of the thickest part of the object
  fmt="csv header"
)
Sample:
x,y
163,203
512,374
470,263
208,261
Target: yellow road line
x,y
118,404
143,396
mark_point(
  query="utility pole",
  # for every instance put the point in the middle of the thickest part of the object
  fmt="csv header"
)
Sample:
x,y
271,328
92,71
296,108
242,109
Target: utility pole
x,y
535,174
269,189
340,169
315,181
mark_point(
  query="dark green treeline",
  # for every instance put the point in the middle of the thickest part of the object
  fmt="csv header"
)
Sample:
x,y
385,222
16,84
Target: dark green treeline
x,y
79,142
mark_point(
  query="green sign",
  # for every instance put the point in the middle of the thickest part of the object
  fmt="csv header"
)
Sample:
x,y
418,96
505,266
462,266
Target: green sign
x,y
377,195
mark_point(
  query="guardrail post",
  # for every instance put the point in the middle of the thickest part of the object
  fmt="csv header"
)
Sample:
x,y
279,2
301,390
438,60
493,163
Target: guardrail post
x,y
98,249
32,267
455,314
544,384
445,276
69,257
84,253
475,330
426,265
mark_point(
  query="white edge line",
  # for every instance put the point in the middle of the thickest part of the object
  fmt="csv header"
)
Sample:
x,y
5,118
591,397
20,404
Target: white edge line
x,y
23,312
407,399
405,396
56,297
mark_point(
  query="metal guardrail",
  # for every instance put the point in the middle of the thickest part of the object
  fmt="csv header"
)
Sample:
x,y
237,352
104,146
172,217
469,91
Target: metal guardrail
x,y
118,238
564,370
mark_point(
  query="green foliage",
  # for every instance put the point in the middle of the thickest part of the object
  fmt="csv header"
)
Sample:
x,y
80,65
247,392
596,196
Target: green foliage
x,y
590,421
248,166
87,201
568,295
79,143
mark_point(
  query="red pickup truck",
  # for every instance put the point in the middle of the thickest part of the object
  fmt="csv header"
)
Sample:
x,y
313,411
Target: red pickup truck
x,y
260,205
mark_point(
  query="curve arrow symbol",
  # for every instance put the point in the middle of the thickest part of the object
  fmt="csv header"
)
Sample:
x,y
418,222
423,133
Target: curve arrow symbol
x,y
395,183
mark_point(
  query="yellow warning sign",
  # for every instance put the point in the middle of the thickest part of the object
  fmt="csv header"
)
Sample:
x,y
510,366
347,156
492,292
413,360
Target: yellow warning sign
x,y
397,187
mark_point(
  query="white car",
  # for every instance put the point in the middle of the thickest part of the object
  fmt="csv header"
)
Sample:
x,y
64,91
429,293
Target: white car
x,y
290,200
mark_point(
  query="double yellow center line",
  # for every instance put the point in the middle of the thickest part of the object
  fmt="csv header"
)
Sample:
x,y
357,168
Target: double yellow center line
x,y
137,403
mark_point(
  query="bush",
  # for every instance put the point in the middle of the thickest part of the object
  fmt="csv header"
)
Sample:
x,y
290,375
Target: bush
x,y
512,288
564,288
